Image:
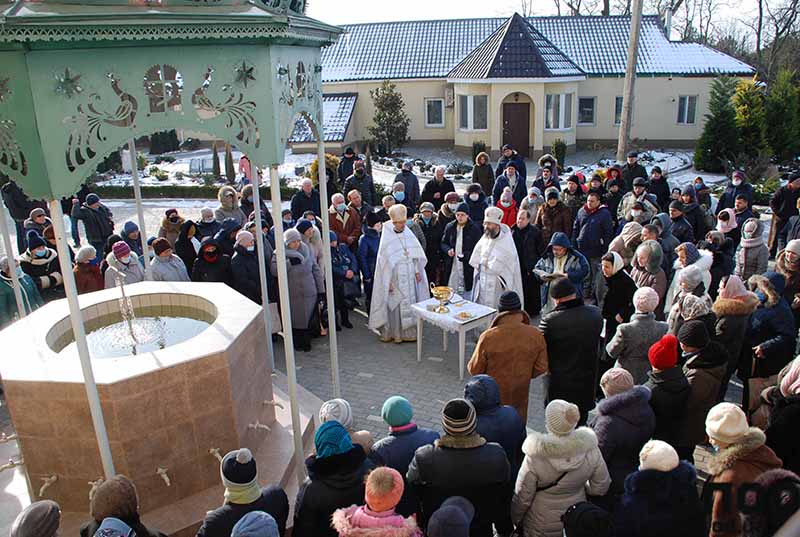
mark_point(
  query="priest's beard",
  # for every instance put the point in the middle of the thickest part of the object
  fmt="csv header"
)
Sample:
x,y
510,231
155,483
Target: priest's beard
x,y
490,233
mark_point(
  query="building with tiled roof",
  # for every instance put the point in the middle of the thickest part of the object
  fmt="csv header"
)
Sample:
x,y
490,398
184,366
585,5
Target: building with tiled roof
x,y
526,81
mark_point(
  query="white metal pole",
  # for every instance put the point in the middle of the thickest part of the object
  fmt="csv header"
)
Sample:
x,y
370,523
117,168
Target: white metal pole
x,y
137,194
80,339
326,260
286,321
12,266
262,268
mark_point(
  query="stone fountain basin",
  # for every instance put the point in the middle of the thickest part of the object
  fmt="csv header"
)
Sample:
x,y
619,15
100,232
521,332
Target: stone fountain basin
x,y
162,409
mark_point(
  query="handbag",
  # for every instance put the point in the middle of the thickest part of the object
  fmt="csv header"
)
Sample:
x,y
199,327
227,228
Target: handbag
x,y
519,531
756,385
352,287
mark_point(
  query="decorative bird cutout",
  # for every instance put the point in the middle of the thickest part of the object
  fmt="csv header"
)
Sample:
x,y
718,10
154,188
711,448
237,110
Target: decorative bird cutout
x,y
238,112
11,154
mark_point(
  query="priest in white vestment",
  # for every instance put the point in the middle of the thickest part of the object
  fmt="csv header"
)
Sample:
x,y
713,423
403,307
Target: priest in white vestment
x,y
399,280
495,261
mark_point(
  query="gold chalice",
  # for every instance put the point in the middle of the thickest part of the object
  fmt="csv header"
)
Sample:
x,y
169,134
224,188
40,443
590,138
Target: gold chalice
x,y
443,294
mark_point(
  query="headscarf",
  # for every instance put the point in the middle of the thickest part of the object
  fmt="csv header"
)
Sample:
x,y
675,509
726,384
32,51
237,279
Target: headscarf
x,y
618,263
790,385
733,288
730,225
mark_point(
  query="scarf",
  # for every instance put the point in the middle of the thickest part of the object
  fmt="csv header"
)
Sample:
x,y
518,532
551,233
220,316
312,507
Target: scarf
x,y
242,494
618,262
734,288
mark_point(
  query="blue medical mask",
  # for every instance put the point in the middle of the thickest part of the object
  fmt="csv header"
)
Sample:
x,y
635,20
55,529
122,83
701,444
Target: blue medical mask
x,y
251,248
341,207
409,222
399,196
761,296
41,253
250,199
426,220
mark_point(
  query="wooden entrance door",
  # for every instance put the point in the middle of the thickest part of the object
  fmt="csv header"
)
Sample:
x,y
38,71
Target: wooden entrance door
x,y
516,126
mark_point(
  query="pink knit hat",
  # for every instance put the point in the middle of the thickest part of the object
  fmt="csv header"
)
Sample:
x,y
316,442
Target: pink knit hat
x,y
645,300
790,385
384,489
733,288
121,249
616,380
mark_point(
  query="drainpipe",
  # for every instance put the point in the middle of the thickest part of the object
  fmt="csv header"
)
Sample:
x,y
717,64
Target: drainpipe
x,y
79,332
12,266
326,260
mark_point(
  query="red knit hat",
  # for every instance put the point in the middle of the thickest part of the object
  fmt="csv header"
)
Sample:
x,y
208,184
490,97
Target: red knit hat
x,y
663,354
384,489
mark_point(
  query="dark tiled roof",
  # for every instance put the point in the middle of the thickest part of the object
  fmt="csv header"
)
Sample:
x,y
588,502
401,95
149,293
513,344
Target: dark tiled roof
x,y
337,109
431,49
515,50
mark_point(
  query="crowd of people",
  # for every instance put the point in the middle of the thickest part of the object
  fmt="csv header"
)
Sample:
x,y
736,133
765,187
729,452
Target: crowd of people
x,y
650,299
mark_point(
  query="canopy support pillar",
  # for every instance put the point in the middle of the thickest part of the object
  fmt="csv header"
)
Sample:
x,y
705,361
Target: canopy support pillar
x,y
12,264
262,268
137,194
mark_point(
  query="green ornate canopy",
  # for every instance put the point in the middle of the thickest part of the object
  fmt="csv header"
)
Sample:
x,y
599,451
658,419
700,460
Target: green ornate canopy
x,y
79,79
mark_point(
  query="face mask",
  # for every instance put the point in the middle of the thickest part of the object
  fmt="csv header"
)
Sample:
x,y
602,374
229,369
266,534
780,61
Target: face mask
x,y
452,206
287,222
474,197
359,172
736,182
426,219
41,253
399,196
505,203
250,199
210,256
250,248
698,186
636,214
761,296
174,219
125,260
409,222
341,207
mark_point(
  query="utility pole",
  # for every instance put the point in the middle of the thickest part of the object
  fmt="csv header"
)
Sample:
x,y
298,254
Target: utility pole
x,y
630,79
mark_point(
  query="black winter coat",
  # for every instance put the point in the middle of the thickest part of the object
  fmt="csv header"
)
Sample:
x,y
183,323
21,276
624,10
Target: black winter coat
x,y
530,248
345,168
333,482
773,328
618,301
98,222
218,271
722,264
220,521
208,229
248,206
728,198
432,188
661,190
661,504
519,163
433,232
396,451
471,236
477,208
784,421
480,474
669,396
790,231
302,203
623,424
629,173
16,201
784,203
365,186
184,248
572,332
592,231
682,230
244,274
730,330
693,214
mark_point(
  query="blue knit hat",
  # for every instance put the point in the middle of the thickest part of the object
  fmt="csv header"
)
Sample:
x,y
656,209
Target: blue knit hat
x,y
332,439
34,240
256,524
397,411
129,227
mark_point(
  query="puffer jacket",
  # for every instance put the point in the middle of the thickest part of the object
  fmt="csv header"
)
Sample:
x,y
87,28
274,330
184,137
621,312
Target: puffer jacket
x,y
730,330
632,341
682,229
623,424
133,271
305,281
667,240
368,253
669,395
223,236
592,231
31,299
652,275
171,269
333,482
627,241
572,464
704,371
752,255
170,230
659,504
245,277
554,219
356,521
576,267
45,273
772,327
228,208
98,223
496,423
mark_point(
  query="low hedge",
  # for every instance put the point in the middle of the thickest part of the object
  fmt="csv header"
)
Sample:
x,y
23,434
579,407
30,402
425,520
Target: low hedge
x,y
178,191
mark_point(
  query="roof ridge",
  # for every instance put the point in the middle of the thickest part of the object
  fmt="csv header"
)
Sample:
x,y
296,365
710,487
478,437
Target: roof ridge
x,y
470,19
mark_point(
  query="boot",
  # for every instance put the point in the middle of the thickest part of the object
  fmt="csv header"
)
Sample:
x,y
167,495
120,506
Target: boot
x,y
338,320
346,319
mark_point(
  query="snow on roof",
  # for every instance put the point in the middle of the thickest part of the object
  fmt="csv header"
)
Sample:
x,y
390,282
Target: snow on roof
x,y
337,109
431,49
515,50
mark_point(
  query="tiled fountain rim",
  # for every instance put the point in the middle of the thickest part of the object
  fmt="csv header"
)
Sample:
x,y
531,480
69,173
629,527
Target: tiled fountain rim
x,y
39,362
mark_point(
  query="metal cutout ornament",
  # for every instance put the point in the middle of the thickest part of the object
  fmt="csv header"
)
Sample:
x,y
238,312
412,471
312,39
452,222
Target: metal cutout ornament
x,y
244,74
235,109
11,154
68,84
5,91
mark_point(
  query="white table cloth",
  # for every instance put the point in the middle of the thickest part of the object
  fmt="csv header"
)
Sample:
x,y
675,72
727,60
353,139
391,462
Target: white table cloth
x,y
450,322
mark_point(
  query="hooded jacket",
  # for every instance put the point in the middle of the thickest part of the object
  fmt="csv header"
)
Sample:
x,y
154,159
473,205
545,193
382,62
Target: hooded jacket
x,y
356,521
772,327
667,240
554,219
216,271
187,247
496,422
170,269
228,208
703,262
133,271
632,341
45,273
623,424
576,267
483,174
223,236
661,504
170,230
592,231
575,459
752,255
627,241
651,275
333,482
134,244
669,395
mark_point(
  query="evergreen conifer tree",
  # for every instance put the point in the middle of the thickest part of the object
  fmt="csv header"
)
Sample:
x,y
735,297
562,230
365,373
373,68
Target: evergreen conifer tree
x,y
230,171
720,139
390,119
783,116
751,118
215,167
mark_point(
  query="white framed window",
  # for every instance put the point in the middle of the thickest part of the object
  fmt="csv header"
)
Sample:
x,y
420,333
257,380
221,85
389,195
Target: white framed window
x,y
586,107
434,112
558,111
618,110
687,109
473,112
